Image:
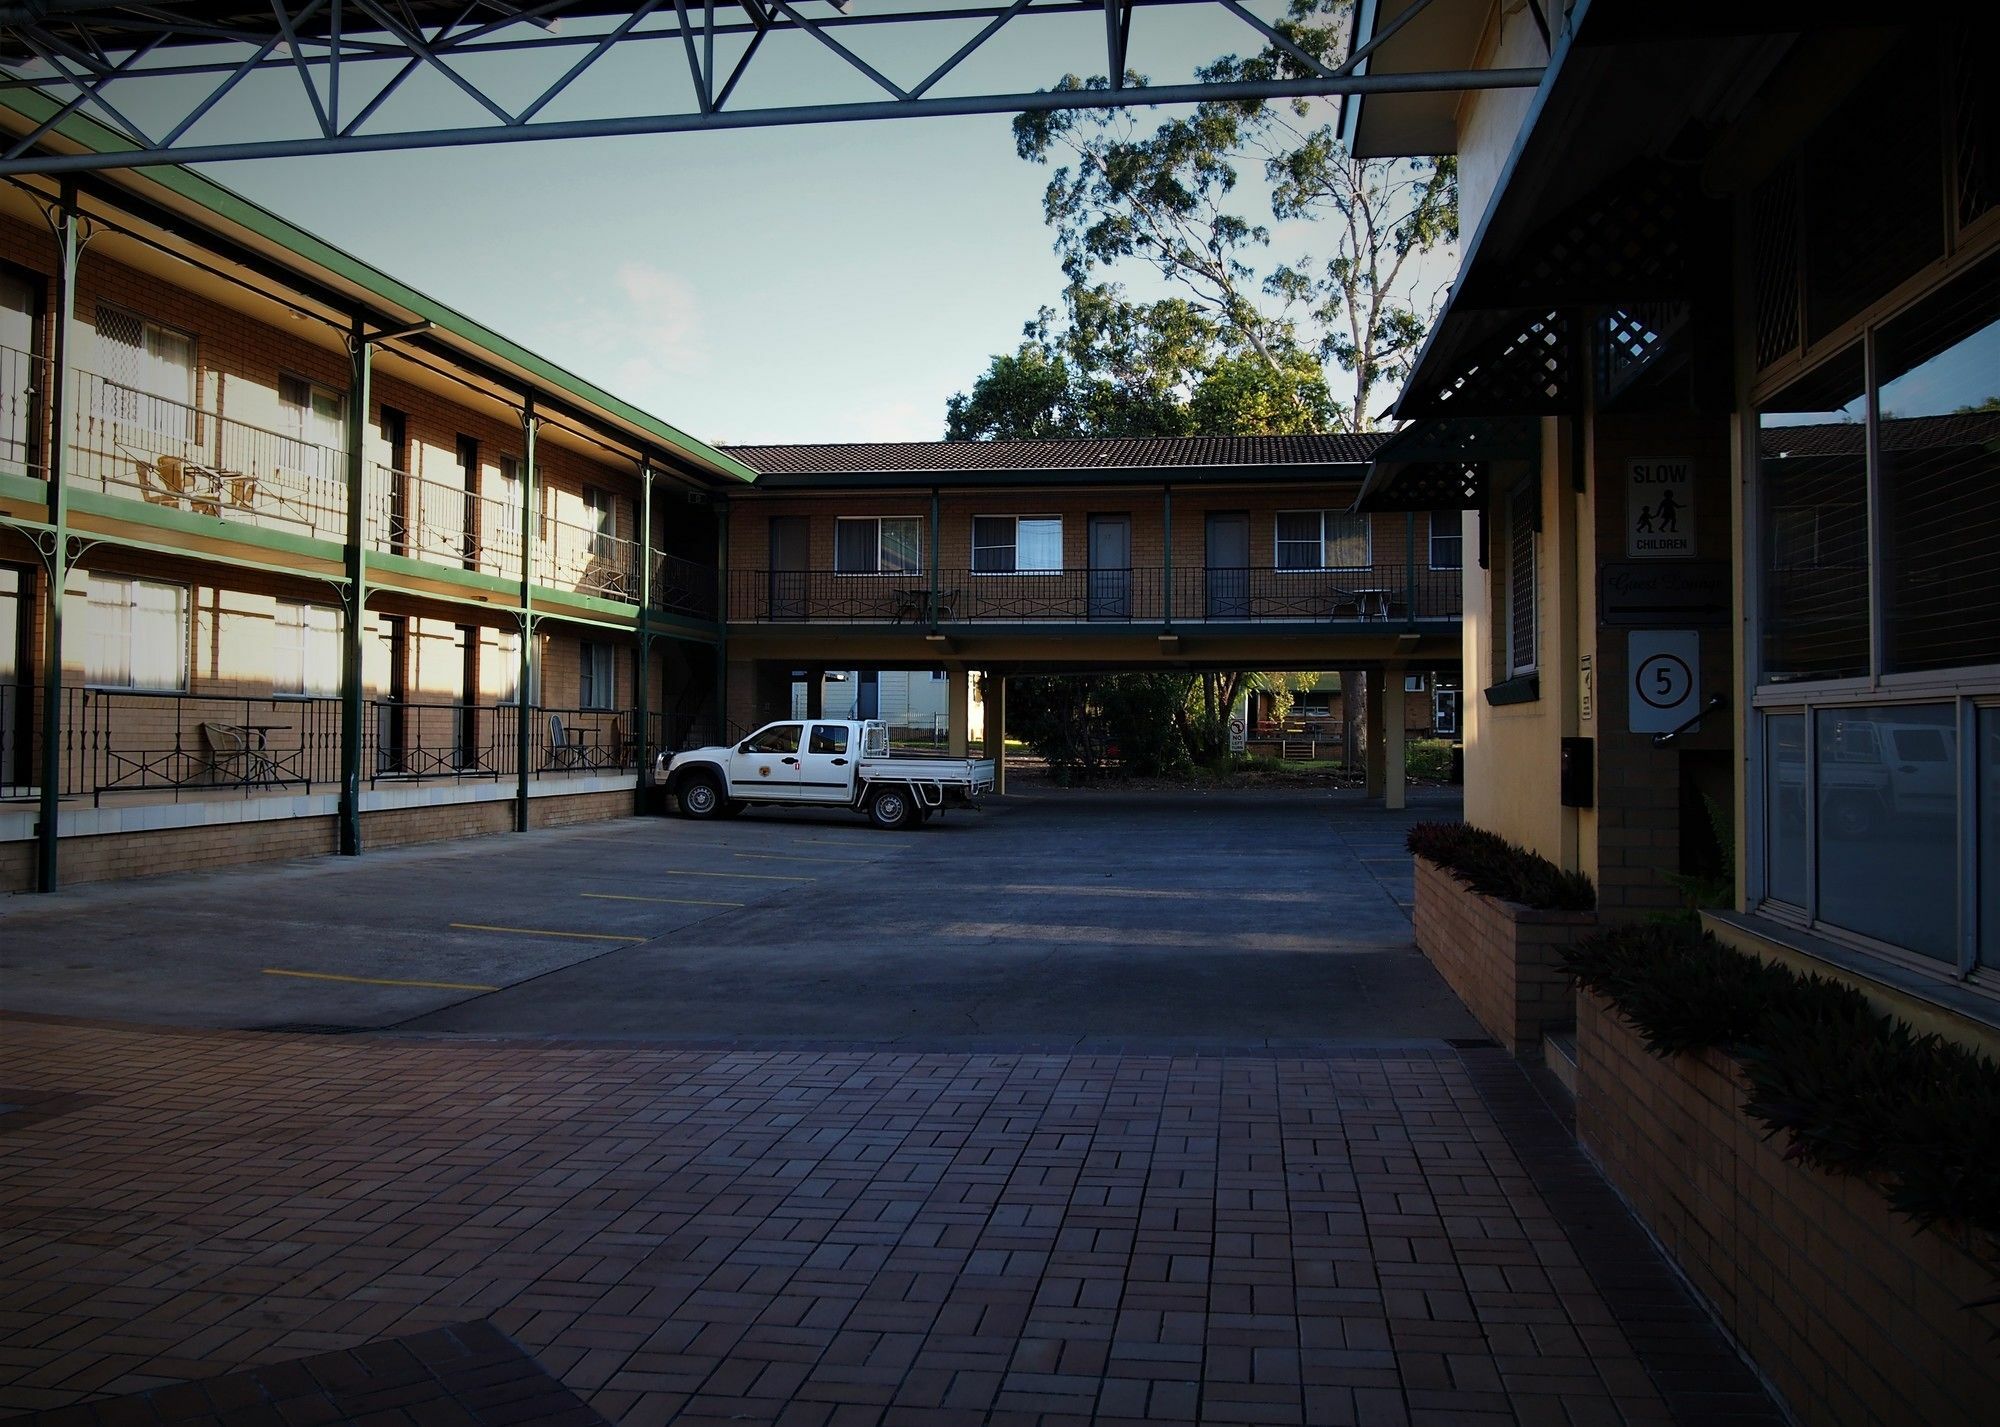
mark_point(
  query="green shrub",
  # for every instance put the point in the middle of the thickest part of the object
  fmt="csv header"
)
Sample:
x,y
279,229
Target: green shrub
x,y
1854,1091
1428,758
1487,862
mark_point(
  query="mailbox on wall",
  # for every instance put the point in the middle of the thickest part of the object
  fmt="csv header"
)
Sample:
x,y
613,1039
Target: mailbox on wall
x,y
1579,770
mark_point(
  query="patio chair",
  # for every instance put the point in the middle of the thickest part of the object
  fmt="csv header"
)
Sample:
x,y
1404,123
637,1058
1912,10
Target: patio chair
x,y
226,751
564,751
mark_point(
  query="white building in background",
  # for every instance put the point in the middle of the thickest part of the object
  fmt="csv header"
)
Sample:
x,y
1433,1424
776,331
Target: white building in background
x,y
915,703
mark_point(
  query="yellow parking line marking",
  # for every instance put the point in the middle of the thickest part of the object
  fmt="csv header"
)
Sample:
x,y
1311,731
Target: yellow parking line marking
x,y
376,980
677,901
744,876
800,857
538,931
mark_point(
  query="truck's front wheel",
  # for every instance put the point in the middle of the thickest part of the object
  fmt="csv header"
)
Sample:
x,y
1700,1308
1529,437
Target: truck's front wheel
x,y
701,796
892,808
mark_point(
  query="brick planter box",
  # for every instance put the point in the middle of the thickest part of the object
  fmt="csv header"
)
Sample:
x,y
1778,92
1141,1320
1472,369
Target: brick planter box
x,y
1852,1314
1499,957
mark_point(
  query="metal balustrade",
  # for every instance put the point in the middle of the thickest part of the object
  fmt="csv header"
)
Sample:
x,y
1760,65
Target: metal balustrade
x,y
588,561
23,392
682,586
1382,594
443,522
183,746
125,441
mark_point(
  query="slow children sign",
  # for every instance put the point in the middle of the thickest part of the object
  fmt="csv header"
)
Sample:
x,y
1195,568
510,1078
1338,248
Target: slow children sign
x,y
1659,508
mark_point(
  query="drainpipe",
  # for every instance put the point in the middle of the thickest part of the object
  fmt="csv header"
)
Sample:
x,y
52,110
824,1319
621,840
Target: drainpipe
x,y
524,725
360,354
937,589
69,243
1167,556
722,620
644,740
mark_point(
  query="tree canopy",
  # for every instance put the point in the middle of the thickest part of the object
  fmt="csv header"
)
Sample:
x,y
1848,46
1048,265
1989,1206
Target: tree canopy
x,y
1245,342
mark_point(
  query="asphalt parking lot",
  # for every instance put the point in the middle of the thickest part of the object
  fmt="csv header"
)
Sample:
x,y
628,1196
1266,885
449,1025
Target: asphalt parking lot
x,y
1098,919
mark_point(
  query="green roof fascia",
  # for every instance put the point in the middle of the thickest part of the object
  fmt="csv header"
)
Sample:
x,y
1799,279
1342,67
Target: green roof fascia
x,y
227,204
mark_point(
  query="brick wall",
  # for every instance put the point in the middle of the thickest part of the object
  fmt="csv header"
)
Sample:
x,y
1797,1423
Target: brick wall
x,y
1852,1314
198,849
1500,959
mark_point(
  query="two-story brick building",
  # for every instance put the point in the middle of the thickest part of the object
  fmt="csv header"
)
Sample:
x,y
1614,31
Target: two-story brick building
x,y
294,558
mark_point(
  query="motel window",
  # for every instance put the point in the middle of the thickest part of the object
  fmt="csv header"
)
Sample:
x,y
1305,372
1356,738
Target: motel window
x,y
147,375
1523,625
1447,539
597,679
1016,544
1878,636
316,418
600,518
136,635
877,545
305,649
1323,540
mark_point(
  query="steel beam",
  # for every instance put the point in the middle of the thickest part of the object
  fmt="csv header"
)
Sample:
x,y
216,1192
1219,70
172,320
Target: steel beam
x,y
915,106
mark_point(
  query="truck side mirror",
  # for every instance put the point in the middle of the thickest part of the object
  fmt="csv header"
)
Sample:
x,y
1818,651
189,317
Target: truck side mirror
x,y
744,746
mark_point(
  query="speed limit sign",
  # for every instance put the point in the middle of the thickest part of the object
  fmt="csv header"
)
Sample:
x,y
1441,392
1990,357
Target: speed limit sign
x,y
1663,687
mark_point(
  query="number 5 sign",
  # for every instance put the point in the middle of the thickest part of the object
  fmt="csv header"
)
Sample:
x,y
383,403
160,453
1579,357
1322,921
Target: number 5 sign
x,y
1663,689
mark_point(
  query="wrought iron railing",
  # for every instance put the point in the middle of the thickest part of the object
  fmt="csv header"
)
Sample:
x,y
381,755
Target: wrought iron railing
x,y
443,522
23,394
114,741
1373,595
414,740
684,587
590,562
170,453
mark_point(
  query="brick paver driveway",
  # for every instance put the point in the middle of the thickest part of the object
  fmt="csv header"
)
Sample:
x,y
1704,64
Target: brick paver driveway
x,y
393,1229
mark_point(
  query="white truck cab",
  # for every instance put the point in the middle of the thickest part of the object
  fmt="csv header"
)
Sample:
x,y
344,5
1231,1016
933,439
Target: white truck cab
x,y
821,762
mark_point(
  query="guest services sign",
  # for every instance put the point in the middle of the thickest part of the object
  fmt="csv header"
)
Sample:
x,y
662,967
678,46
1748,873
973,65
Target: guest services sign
x,y
1659,508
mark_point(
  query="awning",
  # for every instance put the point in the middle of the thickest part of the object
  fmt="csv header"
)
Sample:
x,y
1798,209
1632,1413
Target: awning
x,y
1443,464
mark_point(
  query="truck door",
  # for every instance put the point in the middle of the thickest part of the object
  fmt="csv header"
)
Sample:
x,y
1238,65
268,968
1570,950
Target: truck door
x,y
826,768
766,764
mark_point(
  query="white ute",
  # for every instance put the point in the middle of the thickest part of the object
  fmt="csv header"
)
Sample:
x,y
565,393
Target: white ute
x,y
831,763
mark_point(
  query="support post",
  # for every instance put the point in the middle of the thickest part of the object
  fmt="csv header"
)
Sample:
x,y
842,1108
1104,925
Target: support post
x,y
360,355
48,828
1410,562
996,729
815,693
525,692
1393,789
722,622
958,710
1167,556
1377,768
644,740
937,588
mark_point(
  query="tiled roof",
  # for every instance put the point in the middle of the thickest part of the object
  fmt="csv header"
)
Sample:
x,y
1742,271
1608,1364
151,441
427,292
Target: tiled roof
x,y
1121,454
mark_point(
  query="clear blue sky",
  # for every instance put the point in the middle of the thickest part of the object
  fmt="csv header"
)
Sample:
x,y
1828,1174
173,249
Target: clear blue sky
x,y
824,283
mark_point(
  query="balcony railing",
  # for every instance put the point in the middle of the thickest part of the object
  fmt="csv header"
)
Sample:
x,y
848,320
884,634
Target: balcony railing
x,y
168,453
185,747
1363,597
684,587
443,522
591,562
132,443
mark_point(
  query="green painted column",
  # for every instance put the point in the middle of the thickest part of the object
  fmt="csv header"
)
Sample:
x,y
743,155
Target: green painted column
x,y
1410,563
722,621
525,691
360,401
644,742
1394,793
48,829
937,552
